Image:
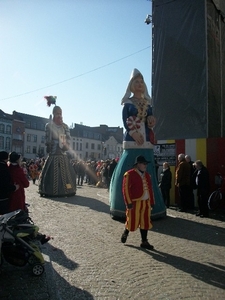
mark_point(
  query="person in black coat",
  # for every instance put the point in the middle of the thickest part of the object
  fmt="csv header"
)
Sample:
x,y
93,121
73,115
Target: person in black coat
x,y
201,181
191,200
6,184
165,183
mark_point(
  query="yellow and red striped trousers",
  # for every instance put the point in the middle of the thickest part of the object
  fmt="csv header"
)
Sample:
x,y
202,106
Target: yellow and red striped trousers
x,y
139,216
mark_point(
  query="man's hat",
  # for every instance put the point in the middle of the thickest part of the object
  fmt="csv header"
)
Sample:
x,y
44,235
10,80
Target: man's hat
x,y
3,155
13,157
140,160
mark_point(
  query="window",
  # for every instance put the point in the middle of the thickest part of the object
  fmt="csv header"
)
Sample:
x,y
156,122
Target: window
x,y
32,138
90,135
92,146
2,128
27,124
80,146
99,147
1,142
34,149
43,139
86,145
34,125
74,146
28,149
8,129
7,144
42,150
97,136
77,146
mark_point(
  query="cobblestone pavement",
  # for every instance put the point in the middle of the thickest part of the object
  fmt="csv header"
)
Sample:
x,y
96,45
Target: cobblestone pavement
x,y
86,259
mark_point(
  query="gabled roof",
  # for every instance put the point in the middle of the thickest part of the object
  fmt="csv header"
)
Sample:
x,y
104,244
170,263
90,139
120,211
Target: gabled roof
x,y
4,115
26,117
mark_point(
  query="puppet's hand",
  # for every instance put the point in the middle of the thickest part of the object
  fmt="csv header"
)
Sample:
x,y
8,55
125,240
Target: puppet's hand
x,y
138,137
151,121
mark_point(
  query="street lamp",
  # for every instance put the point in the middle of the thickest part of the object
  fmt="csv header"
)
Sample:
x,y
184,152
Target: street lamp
x,y
148,19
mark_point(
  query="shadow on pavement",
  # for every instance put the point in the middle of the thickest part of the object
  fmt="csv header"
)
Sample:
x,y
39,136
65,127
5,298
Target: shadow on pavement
x,y
190,230
58,287
210,274
58,256
92,203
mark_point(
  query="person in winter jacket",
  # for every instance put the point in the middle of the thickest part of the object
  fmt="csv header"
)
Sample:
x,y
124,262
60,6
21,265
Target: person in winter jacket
x,y
17,198
165,183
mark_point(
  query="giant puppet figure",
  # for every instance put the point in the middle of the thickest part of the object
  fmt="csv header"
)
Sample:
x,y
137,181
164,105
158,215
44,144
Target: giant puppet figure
x,y
57,178
138,140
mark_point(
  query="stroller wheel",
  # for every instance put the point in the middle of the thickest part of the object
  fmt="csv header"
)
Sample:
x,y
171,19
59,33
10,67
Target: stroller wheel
x,y
38,270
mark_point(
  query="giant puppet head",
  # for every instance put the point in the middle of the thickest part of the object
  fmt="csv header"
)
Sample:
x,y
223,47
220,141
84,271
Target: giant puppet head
x,y
57,115
134,74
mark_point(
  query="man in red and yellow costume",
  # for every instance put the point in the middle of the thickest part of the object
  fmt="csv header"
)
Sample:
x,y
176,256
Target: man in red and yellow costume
x,y
139,199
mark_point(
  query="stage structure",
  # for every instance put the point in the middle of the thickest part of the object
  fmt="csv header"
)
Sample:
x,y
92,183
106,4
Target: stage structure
x,y
188,79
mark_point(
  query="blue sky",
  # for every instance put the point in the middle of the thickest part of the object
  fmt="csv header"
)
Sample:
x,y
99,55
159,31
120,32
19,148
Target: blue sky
x,y
82,51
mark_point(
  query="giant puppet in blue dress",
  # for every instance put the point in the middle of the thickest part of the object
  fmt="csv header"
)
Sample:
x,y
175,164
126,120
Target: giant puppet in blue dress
x,y
138,140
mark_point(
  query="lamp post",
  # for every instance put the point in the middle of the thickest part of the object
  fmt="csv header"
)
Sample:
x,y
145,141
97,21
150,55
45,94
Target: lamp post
x,y
148,19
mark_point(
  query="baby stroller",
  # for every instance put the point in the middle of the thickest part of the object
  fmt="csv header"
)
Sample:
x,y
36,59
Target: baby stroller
x,y
18,242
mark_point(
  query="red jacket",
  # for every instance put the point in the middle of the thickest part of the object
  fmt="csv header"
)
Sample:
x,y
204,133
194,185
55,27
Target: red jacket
x,y
17,198
133,187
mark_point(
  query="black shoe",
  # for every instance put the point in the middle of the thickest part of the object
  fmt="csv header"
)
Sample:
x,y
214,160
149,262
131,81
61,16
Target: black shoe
x,y
124,237
146,245
198,214
204,216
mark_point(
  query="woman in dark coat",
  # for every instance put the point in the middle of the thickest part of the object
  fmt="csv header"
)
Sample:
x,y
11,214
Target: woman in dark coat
x,y
6,183
165,183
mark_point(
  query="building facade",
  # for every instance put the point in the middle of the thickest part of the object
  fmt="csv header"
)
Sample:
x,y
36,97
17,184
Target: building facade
x,y
6,123
25,134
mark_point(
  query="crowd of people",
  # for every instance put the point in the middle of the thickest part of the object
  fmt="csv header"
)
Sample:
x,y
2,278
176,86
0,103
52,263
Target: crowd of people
x,y
97,173
189,176
16,174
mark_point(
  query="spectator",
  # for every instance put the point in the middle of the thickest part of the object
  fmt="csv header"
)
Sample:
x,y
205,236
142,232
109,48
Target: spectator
x,y
165,183
191,200
80,168
33,171
17,198
201,179
111,168
182,181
